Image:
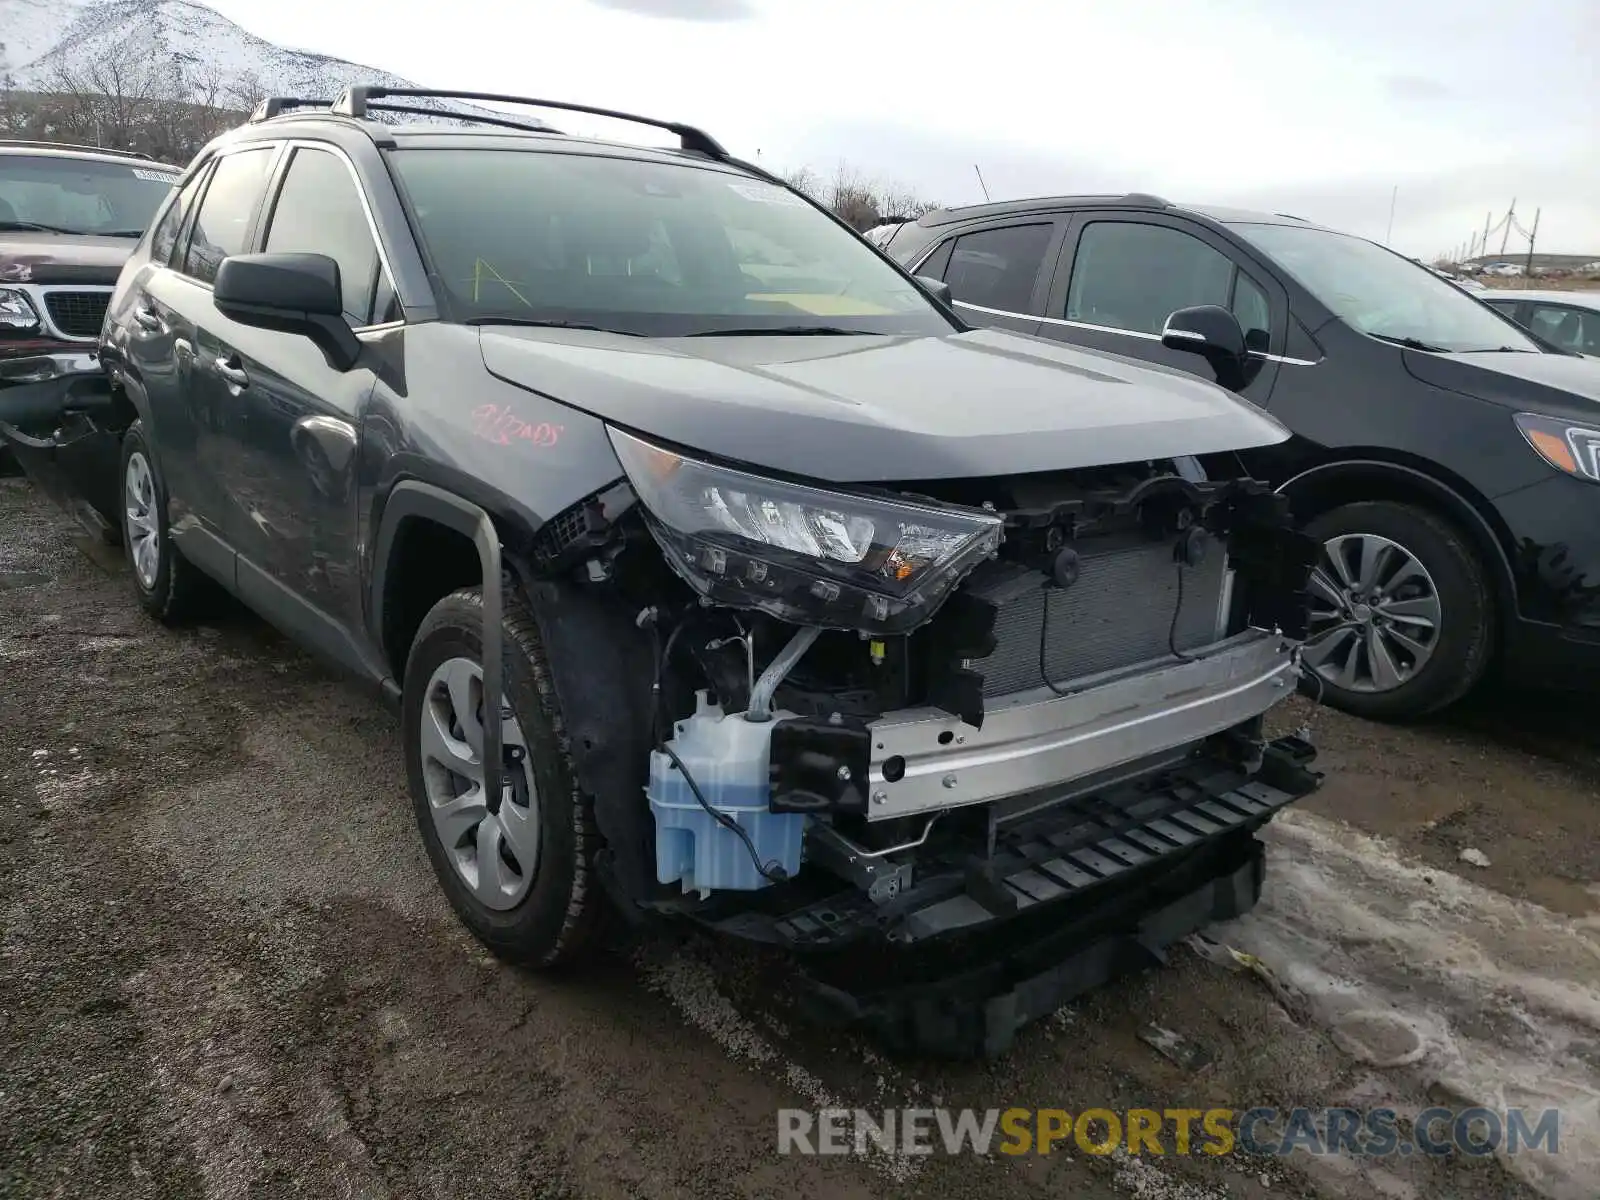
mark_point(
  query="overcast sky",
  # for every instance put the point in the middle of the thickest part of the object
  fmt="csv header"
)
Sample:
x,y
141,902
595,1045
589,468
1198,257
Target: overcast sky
x,y
1315,107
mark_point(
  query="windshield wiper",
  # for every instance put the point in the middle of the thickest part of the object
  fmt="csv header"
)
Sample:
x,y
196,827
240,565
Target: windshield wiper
x,y
530,323
1411,343
38,226
779,331
122,233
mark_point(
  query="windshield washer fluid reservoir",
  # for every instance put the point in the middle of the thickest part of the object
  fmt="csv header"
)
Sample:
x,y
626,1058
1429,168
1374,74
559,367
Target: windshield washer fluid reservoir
x,y
728,757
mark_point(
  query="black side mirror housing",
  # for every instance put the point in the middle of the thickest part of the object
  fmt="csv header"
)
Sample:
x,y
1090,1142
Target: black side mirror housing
x,y
937,288
291,293
1215,334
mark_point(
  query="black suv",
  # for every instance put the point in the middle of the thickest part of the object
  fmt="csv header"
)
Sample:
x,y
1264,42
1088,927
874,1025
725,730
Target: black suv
x,y
717,568
1446,460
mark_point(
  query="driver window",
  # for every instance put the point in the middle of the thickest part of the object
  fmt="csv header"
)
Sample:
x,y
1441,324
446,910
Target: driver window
x,y
1133,276
319,211
1570,328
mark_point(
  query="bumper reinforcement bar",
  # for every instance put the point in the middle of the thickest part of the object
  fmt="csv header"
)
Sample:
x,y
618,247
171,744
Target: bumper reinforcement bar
x,y
926,760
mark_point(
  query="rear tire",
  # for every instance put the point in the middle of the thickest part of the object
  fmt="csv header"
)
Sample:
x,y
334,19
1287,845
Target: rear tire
x,y
1412,633
165,584
541,913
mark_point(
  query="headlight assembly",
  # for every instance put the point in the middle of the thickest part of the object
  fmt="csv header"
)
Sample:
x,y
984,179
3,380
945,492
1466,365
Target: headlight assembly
x,y
804,554
17,314
1574,449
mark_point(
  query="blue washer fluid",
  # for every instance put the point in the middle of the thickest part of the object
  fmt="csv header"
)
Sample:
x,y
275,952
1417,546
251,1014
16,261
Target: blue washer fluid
x,y
728,757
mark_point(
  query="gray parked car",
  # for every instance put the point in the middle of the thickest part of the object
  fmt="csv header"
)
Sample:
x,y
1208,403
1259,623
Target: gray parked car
x,y
718,570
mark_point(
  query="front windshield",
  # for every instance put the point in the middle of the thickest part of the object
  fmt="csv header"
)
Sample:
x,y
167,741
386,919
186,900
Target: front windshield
x,y
80,195
650,248
1383,294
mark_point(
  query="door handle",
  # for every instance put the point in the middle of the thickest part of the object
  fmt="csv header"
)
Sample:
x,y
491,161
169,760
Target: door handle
x,y
147,318
227,367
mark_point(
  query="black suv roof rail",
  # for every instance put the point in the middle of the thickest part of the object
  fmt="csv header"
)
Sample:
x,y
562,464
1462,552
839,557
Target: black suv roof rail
x,y
276,106
358,101
27,144
944,216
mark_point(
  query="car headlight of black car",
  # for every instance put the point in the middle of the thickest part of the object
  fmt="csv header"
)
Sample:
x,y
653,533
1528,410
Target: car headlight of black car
x,y
805,554
1574,449
17,314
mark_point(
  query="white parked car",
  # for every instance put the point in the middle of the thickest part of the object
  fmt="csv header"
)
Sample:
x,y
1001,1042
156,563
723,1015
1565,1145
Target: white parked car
x,y
1502,268
1570,320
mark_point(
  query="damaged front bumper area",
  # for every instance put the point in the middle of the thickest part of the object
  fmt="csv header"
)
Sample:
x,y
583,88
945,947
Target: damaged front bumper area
x,y
924,761
1070,896
66,435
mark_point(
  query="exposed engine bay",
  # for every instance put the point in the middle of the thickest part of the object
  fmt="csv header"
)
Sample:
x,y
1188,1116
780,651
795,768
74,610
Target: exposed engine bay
x,y
1092,664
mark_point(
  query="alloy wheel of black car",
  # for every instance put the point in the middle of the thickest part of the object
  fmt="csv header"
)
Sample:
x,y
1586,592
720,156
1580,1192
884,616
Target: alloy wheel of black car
x,y
1401,611
519,873
167,587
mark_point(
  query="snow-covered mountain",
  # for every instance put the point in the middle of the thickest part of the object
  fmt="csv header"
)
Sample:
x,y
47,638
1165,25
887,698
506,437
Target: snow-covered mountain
x,y
183,49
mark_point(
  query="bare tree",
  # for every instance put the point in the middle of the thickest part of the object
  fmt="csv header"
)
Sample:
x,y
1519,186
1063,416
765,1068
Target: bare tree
x,y
167,108
857,199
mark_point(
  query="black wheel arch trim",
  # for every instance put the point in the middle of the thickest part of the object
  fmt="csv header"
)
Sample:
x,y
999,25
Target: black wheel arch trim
x,y
595,649
413,498
1457,506
601,666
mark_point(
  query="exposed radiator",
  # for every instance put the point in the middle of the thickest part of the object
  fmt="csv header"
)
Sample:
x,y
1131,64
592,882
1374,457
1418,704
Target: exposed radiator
x,y
1117,614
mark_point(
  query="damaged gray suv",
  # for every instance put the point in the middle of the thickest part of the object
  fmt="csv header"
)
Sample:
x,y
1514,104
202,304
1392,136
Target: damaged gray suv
x,y
718,570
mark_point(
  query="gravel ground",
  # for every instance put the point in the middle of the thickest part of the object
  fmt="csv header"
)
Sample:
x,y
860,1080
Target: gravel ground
x,y
225,970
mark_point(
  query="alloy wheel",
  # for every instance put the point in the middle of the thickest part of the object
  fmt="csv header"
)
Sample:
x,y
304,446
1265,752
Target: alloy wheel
x,y
494,847
144,534
1375,614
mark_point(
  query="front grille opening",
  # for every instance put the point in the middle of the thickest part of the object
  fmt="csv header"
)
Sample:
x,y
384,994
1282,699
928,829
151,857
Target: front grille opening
x,y
78,314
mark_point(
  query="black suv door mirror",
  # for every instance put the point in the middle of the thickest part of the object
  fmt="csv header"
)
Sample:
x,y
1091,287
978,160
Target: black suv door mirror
x,y
937,288
291,293
1215,334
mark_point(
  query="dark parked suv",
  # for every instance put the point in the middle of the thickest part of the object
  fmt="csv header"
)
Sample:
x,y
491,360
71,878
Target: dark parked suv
x,y
717,568
69,218
1446,460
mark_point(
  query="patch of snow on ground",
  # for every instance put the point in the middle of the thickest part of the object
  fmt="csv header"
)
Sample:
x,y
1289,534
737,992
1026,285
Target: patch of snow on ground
x,y
1453,990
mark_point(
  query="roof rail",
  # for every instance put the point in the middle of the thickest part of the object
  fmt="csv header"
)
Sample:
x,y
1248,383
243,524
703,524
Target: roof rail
x,y
27,144
474,118
1147,199
272,106
275,106
357,101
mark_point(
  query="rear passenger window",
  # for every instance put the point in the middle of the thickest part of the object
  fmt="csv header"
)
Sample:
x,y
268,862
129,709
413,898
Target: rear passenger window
x,y
997,268
1133,276
319,211
223,225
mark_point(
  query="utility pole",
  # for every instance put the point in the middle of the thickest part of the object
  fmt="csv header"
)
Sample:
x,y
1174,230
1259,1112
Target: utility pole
x,y
981,183
1533,233
1393,196
1483,247
1511,218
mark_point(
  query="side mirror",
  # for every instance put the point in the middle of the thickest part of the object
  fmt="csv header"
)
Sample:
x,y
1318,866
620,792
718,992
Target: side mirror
x,y
937,288
291,293
1214,333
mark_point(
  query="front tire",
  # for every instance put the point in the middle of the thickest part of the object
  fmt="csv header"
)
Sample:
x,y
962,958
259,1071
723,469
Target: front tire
x,y
522,878
1402,613
165,584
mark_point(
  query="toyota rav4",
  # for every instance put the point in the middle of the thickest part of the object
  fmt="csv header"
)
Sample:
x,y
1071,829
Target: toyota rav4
x,y
717,568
